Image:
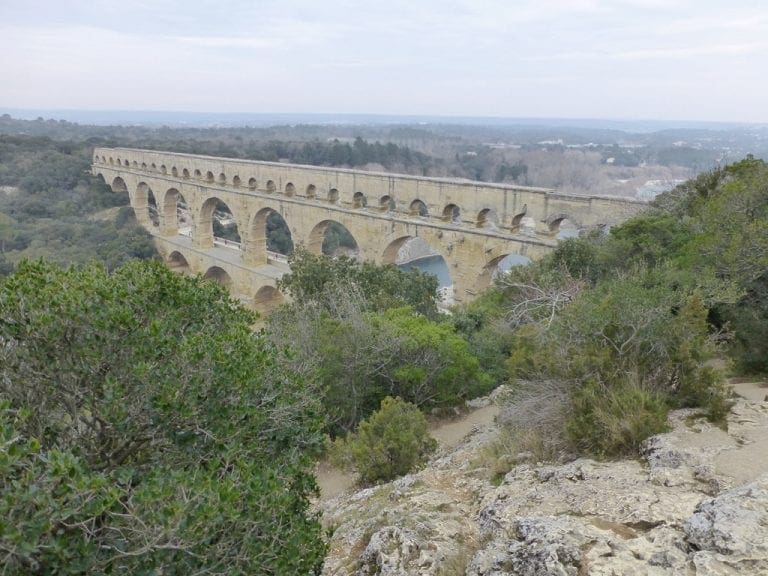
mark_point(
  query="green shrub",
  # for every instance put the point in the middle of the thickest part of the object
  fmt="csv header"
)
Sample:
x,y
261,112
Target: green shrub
x,y
392,442
613,421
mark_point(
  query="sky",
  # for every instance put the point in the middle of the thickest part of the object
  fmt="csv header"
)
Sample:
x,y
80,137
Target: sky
x,y
617,59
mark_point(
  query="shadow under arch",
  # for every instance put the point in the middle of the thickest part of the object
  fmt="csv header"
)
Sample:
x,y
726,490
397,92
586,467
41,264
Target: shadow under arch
x,y
267,298
219,275
118,185
178,263
331,238
145,206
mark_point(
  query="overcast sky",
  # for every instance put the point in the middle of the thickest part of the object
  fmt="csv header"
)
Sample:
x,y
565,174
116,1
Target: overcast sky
x,y
637,59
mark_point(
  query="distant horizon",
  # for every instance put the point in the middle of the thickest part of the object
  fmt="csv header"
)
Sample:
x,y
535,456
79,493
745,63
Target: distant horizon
x,y
189,118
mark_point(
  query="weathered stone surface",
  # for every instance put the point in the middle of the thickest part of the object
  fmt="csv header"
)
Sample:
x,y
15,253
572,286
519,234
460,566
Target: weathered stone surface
x,y
733,528
654,516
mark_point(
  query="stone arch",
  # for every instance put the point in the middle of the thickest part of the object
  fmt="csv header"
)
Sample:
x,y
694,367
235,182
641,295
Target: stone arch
x,y
487,218
209,177
144,166
452,213
418,208
119,162
163,169
414,252
126,163
562,226
198,174
145,206
359,200
174,171
175,215
111,160
236,181
271,186
135,164
215,210
222,178
387,204
499,264
103,159
311,191
185,174
219,275
333,195
178,263
118,185
251,183
332,238
290,189
267,298
153,167
518,218
265,221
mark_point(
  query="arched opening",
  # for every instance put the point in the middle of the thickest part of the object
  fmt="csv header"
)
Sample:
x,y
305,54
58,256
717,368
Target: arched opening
x,y
498,266
270,186
163,169
144,166
174,172
118,185
562,227
332,239
452,213
487,219
311,191
111,160
219,275
198,175
126,163
175,214
359,200
270,238
153,167
178,263
408,252
135,164
333,195
209,177
103,159
524,224
386,204
267,298
290,189
119,162
145,206
236,181
418,208
217,226
252,184
222,178
185,174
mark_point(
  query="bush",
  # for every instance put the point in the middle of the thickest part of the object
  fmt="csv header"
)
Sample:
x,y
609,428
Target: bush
x,y
613,421
392,442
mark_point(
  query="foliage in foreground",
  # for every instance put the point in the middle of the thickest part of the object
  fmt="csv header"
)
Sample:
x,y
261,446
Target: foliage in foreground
x,y
145,428
628,324
392,442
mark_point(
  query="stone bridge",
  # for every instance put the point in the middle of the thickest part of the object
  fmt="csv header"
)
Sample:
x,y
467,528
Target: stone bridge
x,y
473,225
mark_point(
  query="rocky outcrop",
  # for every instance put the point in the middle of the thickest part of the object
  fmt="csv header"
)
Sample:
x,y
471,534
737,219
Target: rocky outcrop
x,y
696,504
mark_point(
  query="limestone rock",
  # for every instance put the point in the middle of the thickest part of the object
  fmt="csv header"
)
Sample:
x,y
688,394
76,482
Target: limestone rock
x,y
732,529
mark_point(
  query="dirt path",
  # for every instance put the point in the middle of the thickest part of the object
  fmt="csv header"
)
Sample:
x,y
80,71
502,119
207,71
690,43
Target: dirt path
x,y
448,433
